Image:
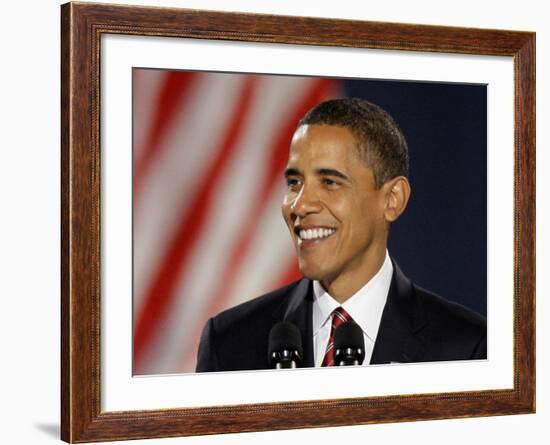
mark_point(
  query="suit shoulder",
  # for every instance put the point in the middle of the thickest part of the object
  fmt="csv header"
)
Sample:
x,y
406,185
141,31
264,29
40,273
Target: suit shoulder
x,y
237,338
450,314
450,331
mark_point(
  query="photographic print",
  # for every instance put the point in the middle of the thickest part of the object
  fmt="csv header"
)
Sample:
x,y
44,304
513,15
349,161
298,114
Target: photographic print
x,y
209,153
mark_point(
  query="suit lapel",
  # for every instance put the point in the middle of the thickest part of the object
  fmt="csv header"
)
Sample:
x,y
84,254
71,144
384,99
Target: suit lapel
x,y
402,318
298,310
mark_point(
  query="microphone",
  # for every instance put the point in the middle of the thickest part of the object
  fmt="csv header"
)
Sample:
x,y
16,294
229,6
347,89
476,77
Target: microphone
x,y
284,346
349,345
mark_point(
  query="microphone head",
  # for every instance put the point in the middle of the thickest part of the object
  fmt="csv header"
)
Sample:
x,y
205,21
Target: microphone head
x,y
284,336
349,343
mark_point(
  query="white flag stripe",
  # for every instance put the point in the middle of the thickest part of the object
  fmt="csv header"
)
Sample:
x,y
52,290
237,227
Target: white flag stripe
x,y
272,266
189,146
146,85
233,200
207,256
240,246
270,254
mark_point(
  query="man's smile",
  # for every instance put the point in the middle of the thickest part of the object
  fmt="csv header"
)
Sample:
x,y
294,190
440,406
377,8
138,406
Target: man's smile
x,y
311,235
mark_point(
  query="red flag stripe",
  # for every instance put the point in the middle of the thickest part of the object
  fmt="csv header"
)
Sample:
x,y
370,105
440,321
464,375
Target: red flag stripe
x,y
190,144
172,95
234,198
160,292
320,89
146,86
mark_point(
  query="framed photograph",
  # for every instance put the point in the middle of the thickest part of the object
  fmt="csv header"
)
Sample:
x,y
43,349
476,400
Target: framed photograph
x,y
176,130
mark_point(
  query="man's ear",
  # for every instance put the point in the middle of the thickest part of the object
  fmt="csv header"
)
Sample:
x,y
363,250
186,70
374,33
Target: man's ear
x,y
397,193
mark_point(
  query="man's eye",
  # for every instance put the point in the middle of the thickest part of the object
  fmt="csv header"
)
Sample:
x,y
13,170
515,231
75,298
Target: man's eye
x,y
329,182
292,183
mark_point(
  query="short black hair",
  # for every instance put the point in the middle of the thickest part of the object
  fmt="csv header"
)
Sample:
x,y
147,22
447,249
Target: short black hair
x,y
380,141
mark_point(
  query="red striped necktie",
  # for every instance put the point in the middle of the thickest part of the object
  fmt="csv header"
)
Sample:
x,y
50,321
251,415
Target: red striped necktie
x,y
339,317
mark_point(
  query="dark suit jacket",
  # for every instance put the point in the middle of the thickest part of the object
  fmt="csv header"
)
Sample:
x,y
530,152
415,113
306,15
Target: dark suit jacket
x,y
416,326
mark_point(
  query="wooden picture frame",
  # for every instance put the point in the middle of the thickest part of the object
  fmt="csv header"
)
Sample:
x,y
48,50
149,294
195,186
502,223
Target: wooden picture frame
x,y
82,26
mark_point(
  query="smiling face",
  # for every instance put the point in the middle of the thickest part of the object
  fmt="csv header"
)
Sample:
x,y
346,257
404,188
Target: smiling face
x,y
336,216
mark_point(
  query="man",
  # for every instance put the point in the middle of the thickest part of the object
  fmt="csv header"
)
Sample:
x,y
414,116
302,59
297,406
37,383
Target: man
x,y
347,182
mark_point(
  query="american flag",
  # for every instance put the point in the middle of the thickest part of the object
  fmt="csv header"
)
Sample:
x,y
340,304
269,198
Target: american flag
x,y
209,150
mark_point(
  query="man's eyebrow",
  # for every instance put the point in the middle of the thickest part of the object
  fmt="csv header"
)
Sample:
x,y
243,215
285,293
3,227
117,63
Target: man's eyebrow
x,y
332,172
291,172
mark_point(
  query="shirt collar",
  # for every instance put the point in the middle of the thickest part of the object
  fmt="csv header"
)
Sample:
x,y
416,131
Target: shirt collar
x,y
365,306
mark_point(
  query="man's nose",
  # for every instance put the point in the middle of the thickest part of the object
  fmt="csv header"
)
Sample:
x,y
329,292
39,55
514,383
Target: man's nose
x,y
307,201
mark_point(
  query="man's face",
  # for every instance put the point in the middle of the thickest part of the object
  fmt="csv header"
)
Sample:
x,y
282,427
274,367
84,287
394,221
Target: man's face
x,y
332,209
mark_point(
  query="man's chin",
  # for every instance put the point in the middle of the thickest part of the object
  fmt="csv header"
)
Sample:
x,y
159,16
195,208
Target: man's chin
x,y
313,272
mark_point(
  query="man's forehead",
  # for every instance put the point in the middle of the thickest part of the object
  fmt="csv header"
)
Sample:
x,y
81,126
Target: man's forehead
x,y
323,131
323,142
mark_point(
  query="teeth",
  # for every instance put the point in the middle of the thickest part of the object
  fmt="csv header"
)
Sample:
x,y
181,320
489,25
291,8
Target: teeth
x,y
316,233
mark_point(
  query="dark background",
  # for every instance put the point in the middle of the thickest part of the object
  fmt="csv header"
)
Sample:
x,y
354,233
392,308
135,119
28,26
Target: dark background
x,y
440,242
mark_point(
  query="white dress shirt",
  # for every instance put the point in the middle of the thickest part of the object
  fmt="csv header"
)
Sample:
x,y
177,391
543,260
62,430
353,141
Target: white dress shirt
x,y
365,307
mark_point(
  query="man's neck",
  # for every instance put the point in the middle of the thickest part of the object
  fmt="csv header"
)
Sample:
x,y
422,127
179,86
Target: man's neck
x,y
348,283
